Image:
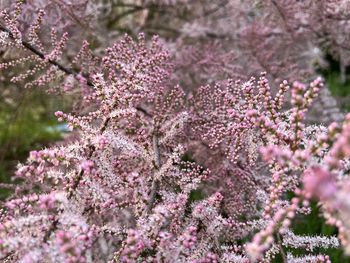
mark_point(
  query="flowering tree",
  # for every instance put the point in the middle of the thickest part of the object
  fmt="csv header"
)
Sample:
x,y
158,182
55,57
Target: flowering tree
x,y
213,40
159,174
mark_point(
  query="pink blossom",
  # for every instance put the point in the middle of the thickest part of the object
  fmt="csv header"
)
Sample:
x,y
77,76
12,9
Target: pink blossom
x,y
319,183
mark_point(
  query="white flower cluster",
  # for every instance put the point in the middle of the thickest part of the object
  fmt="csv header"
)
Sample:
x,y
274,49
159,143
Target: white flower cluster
x,y
308,258
309,242
4,37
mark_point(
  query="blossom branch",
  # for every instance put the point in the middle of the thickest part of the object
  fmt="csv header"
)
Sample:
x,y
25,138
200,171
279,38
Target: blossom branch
x,y
40,54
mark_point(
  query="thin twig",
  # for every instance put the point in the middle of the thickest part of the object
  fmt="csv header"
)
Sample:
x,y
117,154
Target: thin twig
x,y
283,254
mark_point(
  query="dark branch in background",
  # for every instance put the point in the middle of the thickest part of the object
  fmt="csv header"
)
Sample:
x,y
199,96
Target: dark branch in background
x,y
140,109
28,46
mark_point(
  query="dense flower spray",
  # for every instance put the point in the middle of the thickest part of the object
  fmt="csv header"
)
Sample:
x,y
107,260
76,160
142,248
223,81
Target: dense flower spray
x,y
156,173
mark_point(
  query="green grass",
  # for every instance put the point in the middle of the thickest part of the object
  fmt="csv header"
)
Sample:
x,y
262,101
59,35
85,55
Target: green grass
x,y
335,86
27,122
333,81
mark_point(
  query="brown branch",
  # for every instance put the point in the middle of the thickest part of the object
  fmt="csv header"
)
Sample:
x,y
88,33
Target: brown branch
x,y
31,48
7,257
155,183
283,253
